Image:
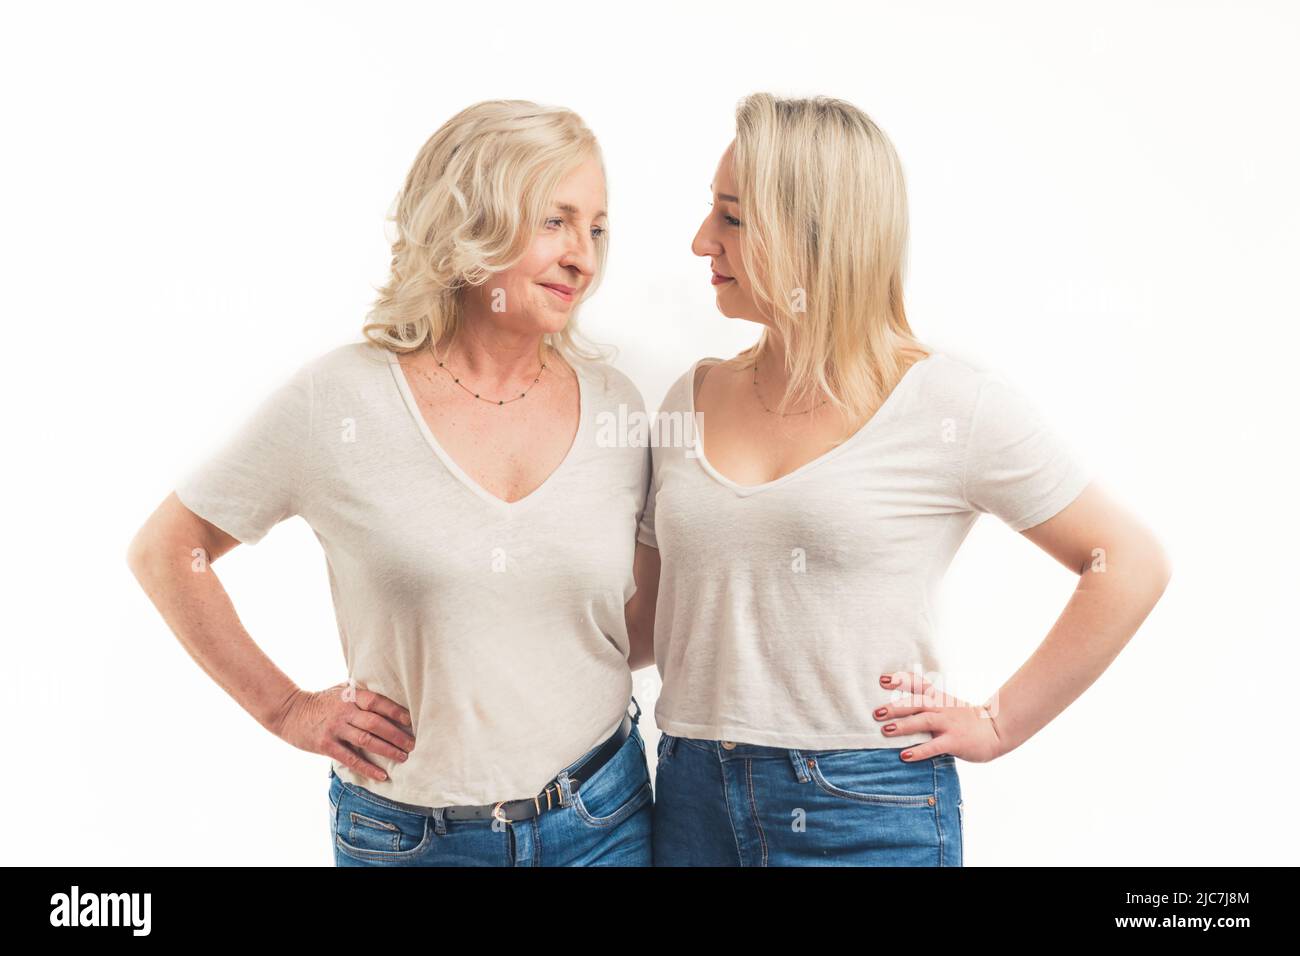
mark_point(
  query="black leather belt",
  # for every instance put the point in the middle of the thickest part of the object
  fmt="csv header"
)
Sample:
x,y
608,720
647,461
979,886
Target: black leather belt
x,y
529,807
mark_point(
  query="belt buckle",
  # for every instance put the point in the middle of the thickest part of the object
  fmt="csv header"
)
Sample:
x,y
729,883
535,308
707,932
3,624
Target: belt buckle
x,y
497,814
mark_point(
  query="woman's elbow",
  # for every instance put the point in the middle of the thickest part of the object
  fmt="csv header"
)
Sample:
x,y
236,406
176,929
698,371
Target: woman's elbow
x,y
1161,565
138,553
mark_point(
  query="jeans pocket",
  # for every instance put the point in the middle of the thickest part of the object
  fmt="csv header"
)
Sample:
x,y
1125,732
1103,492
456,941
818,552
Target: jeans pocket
x,y
664,738
335,789
873,776
369,830
639,798
616,791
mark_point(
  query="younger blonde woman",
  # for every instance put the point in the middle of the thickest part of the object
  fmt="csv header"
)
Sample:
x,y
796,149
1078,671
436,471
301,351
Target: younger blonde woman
x,y
479,538
797,545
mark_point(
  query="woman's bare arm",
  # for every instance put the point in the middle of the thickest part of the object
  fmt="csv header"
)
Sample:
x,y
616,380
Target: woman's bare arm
x,y
640,611
172,557
1123,571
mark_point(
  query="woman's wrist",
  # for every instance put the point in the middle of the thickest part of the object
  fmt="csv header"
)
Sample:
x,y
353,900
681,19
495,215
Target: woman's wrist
x,y
274,703
991,711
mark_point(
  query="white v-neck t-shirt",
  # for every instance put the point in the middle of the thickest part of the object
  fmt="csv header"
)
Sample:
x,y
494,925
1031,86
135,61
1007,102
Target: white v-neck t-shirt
x,y
781,604
498,625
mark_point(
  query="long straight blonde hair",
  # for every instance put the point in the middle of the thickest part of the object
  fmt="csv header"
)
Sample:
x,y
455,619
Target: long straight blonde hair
x,y
824,243
475,196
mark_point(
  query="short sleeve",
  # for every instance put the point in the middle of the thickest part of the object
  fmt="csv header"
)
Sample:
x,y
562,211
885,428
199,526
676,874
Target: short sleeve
x,y
255,480
1017,467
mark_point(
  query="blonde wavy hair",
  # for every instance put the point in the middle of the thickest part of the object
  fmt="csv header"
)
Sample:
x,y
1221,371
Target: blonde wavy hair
x,y
475,196
824,242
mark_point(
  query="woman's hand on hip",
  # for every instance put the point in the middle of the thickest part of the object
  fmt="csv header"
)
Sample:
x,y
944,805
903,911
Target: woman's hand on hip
x,y
343,721
959,728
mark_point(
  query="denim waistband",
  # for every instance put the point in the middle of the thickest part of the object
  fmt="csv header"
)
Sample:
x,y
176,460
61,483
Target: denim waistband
x,y
796,755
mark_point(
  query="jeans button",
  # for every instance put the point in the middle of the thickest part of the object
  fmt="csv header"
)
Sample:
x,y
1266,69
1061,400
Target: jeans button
x,y
729,745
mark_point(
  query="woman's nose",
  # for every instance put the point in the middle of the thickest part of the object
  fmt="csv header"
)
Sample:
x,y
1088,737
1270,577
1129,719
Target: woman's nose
x,y
581,254
703,244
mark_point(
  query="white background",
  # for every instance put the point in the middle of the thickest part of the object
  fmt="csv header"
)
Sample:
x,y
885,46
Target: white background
x,y
1104,209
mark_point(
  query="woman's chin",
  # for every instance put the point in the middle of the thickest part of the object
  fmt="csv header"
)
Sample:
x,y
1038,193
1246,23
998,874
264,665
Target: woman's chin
x,y
733,313
550,324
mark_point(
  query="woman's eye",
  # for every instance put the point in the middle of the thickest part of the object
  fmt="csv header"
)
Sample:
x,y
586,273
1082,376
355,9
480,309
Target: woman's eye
x,y
729,220
597,232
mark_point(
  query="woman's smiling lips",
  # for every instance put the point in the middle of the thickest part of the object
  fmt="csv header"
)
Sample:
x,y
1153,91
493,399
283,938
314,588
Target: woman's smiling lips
x,y
565,292
719,278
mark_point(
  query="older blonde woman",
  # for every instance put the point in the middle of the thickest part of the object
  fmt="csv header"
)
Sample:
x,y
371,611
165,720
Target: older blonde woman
x,y
479,538
801,537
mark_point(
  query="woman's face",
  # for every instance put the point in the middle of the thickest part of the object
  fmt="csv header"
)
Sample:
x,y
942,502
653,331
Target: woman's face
x,y
537,294
719,241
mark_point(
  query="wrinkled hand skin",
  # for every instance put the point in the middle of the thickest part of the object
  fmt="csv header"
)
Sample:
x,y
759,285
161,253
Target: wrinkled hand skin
x,y
342,721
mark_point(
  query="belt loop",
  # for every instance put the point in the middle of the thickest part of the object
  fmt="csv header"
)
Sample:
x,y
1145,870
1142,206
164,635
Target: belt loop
x,y
564,786
637,716
439,824
800,766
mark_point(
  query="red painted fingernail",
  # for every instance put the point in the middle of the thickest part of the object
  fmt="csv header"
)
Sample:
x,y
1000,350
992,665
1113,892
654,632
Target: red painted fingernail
x,y
890,728
880,712
907,755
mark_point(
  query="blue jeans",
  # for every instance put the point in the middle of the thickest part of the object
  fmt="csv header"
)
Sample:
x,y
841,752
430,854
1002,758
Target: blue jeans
x,y
606,823
719,803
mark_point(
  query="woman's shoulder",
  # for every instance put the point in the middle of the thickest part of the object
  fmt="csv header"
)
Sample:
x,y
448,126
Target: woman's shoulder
x,y
352,355
341,362
683,391
954,380
321,372
610,385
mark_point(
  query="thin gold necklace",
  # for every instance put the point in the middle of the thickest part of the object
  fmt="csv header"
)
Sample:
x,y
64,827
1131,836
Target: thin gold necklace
x,y
456,378
773,411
